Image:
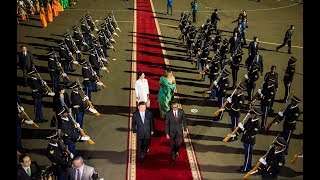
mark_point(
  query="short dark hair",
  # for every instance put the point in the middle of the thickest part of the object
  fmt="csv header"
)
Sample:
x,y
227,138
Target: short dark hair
x,y
142,103
291,26
22,46
273,66
21,157
174,101
168,70
140,73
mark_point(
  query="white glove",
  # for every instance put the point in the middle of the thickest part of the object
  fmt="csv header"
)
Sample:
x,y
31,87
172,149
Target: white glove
x,y
71,155
70,53
104,68
21,108
51,93
75,62
77,125
44,82
259,91
215,83
78,51
85,138
248,114
64,74
240,125
246,76
280,113
229,100
29,121
93,110
85,98
59,64
263,161
99,83
233,135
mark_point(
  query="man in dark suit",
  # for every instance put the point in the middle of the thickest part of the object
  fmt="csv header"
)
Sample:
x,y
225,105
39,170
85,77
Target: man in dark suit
x,y
176,125
235,43
287,39
80,170
142,124
258,59
27,170
25,62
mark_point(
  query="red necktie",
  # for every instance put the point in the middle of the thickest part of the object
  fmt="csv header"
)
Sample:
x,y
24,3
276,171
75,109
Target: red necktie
x,y
78,174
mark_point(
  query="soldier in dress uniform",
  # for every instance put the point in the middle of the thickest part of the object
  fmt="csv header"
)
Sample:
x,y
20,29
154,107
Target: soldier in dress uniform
x,y
266,95
290,116
274,75
234,105
58,155
90,22
77,103
221,90
191,35
89,81
214,68
86,32
217,41
54,71
38,90
223,52
274,160
61,99
66,57
204,54
94,61
234,65
69,130
288,77
249,129
251,79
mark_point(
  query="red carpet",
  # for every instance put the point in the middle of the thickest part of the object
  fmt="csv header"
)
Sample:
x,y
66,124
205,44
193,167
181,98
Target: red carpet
x,y
150,60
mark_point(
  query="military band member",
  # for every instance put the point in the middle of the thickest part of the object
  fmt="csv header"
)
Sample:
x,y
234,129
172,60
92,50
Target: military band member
x,y
58,156
38,90
251,79
266,95
274,75
249,129
234,105
272,163
69,130
221,90
290,116
288,77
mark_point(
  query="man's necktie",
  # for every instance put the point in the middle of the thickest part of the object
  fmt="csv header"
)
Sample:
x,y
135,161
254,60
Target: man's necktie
x,y
175,115
78,174
29,171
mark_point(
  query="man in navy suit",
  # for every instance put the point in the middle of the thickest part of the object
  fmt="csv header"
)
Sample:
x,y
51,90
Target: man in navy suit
x,y
142,124
176,125
25,62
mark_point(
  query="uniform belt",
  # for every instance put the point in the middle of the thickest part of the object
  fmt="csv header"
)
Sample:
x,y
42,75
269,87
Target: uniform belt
x,y
76,106
35,90
204,58
86,79
292,122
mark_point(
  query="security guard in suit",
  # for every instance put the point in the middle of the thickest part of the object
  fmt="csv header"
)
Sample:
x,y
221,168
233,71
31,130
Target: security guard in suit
x,y
266,95
251,79
57,153
288,77
77,103
287,39
290,116
249,129
221,88
234,105
272,163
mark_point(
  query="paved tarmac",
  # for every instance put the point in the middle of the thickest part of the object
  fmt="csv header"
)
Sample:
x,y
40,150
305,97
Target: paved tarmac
x,y
217,160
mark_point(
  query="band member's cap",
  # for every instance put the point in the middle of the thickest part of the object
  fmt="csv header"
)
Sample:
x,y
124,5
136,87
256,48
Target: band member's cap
x,y
256,111
280,142
142,103
82,21
53,135
75,28
74,85
225,71
242,87
87,16
293,59
62,110
296,99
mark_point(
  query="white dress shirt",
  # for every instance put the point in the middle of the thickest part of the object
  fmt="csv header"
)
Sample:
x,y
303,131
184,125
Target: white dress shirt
x,y
142,90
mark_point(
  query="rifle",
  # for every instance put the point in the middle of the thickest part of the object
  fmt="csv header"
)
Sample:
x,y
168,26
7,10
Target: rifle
x,y
296,156
24,115
59,65
254,98
74,61
101,63
112,29
216,113
87,100
81,35
95,75
95,27
226,139
79,128
276,119
212,85
73,43
108,42
255,168
205,69
44,83
115,24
